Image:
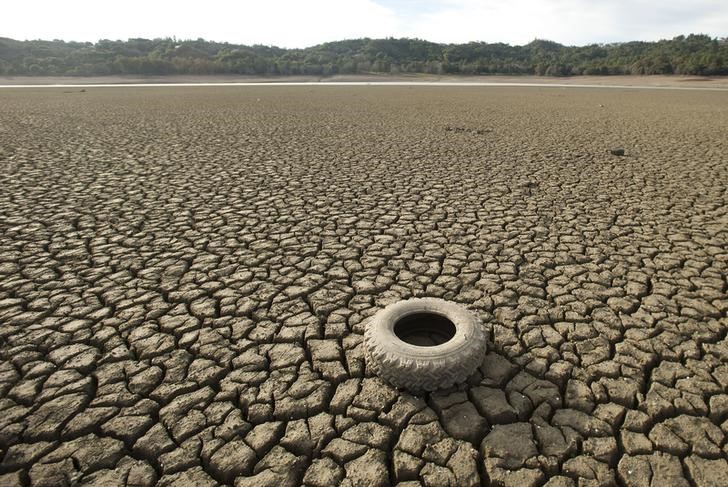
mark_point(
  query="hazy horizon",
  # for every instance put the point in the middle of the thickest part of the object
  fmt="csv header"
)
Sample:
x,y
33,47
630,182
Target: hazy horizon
x,y
290,24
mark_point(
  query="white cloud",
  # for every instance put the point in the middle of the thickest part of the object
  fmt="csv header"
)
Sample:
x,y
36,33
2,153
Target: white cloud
x,y
300,23
284,23
569,21
514,22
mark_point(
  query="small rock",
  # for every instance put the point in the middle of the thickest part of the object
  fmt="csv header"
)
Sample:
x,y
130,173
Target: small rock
x,y
588,467
183,458
513,444
23,454
406,466
434,476
559,481
89,452
524,477
368,470
297,438
51,474
463,465
232,459
416,437
371,434
46,421
194,477
603,449
375,395
323,472
635,443
264,436
707,472
343,450
463,422
492,403
648,470
286,465
13,478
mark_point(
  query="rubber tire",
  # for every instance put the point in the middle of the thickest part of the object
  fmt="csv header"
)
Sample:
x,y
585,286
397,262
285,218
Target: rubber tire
x,y
424,368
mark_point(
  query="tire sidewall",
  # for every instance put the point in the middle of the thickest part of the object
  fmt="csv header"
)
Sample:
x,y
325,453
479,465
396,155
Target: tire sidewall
x,y
381,329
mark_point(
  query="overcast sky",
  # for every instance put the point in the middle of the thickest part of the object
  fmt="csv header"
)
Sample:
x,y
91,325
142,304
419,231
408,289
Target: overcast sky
x,y
302,23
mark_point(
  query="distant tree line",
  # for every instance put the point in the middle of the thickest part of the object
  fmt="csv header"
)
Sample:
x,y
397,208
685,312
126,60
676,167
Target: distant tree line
x,y
692,54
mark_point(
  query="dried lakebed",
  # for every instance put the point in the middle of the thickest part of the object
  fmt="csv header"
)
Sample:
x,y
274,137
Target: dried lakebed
x,y
186,273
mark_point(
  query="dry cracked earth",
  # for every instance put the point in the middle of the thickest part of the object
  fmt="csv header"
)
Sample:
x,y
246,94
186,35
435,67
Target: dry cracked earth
x,y
186,274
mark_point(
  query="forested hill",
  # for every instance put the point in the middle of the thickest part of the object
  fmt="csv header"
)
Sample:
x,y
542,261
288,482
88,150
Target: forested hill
x,y
692,54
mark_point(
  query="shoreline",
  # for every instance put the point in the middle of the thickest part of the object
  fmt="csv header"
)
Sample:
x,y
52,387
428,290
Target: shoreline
x,y
656,81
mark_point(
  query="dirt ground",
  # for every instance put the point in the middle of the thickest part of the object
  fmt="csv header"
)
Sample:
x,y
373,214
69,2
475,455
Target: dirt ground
x,y
186,274
676,81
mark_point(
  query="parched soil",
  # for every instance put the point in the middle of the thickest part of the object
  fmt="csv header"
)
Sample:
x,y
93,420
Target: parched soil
x,y
186,274
656,81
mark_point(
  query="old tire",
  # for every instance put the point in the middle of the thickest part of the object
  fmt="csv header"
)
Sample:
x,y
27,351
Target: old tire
x,y
424,368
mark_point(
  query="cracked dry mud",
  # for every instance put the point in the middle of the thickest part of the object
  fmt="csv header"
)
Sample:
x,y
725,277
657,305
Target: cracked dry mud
x,y
186,273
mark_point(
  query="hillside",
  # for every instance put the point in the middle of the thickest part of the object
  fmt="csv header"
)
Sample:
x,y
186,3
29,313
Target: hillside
x,y
692,54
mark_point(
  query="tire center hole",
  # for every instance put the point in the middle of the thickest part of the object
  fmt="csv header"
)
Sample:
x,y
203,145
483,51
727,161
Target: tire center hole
x,y
424,329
